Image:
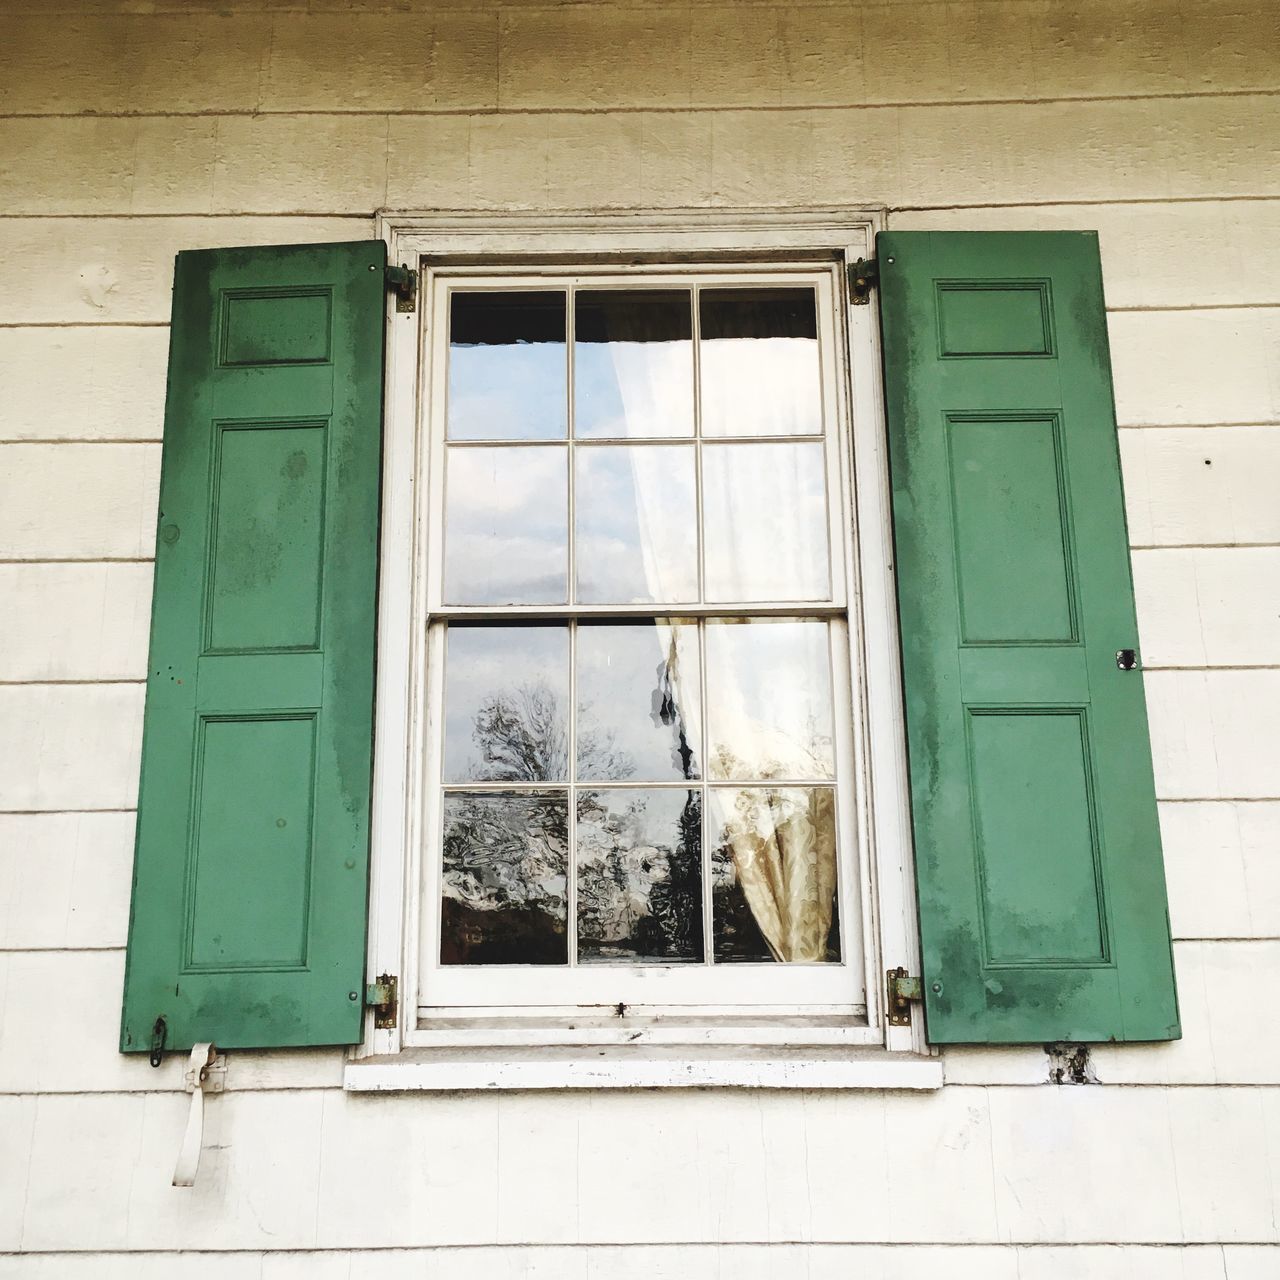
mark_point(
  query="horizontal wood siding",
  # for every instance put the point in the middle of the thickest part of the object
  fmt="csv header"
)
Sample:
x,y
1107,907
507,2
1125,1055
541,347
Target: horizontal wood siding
x,y
1157,123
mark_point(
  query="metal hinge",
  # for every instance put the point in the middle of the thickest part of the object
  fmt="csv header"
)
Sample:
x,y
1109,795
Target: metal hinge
x,y
900,990
403,282
382,998
863,276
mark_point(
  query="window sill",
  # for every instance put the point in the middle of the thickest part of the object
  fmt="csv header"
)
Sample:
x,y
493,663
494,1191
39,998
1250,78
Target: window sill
x,y
616,1067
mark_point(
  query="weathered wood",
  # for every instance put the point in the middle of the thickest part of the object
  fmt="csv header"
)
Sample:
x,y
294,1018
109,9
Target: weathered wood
x,y
120,270
1037,848
64,880
78,501
73,746
250,878
1213,733
102,614
1208,487
1094,150
1153,255
651,55
1214,608
449,1185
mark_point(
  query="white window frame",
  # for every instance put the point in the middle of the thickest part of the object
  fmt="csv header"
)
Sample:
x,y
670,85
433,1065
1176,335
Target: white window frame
x,y
827,241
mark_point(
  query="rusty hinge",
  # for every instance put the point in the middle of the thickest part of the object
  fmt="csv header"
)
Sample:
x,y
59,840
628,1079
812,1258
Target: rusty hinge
x,y
382,998
900,990
403,282
863,276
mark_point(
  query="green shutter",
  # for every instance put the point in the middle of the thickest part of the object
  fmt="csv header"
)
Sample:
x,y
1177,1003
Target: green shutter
x,y
251,866
1042,898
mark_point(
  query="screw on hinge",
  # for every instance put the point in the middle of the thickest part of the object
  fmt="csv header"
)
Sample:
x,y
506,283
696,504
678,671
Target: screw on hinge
x,y
862,275
403,282
382,998
900,990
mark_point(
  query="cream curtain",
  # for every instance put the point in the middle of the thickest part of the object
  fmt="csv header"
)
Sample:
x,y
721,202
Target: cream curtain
x,y
784,853
783,840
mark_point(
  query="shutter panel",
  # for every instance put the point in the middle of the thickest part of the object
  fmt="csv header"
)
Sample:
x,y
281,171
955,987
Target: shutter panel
x,y
1042,898
251,866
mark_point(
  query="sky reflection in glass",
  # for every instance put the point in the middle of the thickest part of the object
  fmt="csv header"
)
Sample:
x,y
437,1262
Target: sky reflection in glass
x,y
508,370
637,531
759,362
633,363
506,525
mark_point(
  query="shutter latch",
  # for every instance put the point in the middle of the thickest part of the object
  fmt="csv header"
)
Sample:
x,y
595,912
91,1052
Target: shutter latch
x,y
383,998
403,282
863,276
900,990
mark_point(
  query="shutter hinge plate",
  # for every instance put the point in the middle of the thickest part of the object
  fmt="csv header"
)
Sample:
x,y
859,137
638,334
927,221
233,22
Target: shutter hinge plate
x,y
863,276
403,282
383,998
900,990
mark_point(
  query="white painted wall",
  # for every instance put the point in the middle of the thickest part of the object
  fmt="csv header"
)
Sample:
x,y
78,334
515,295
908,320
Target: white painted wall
x,y
130,129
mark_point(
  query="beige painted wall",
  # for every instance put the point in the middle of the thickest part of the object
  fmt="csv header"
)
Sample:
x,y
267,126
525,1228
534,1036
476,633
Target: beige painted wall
x,y
131,129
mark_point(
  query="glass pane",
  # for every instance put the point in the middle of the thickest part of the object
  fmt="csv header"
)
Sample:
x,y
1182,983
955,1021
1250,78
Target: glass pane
x,y
636,515
765,522
633,363
504,889
769,704
639,875
506,697
506,526
773,875
760,362
639,702
508,375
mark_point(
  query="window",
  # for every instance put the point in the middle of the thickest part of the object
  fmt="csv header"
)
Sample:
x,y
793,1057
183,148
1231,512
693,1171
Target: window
x,y
639,682
671,612
638,761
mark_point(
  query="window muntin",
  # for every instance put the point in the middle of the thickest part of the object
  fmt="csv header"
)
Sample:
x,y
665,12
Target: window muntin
x,y
727,554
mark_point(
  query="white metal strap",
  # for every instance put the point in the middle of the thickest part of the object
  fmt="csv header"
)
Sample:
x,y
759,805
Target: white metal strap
x,y
201,1079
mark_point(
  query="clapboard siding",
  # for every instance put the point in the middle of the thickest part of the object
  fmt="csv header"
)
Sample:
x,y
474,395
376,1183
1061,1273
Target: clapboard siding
x,y
1213,733
110,383
69,746
980,154
1211,607
78,501
688,1262
64,880
661,55
120,270
1223,872
74,621
92,982
1211,486
1196,366
291,1169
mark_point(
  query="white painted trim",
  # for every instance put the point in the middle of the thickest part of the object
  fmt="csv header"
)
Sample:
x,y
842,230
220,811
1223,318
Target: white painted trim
x,y
889,913
620,1068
